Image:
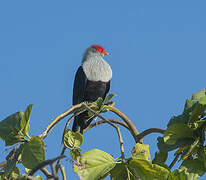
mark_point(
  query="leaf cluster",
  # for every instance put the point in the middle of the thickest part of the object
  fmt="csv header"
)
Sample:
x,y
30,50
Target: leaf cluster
x,y
29,151
97,164
185,134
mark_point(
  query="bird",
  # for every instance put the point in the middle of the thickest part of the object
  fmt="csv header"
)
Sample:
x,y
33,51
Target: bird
x,y
92,80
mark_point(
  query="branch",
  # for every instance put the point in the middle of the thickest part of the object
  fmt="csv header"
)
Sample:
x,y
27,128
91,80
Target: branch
x,y
140,136
46,172
59,160
54,172
44,163
29,178
174,161
63,172
109,122
64,148
3,164
129,123
67,124
71,110
102,122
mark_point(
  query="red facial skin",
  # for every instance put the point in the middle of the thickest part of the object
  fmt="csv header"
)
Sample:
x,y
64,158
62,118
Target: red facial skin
x,y
99,49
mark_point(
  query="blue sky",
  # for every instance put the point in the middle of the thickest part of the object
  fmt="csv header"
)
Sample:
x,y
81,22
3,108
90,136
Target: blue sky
x,y
157,56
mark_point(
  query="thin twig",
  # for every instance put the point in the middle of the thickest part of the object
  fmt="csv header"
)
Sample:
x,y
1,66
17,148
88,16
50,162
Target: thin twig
x,y
29,178
71,110
59,160
174,161
44,163
63,172
129,123
112,124
102,122
3,164
149,131
43,170
46,172
54,173
64,148
67,124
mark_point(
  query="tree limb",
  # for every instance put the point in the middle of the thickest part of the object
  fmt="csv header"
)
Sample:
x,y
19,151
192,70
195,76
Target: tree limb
x,y
3,164
109,122
63,172
44,163
129,123
46,172
71,110
59,160
140,136
102,122
67,124
174,161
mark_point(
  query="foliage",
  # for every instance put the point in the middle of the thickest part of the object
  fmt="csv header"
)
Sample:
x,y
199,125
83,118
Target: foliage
x,y
185,134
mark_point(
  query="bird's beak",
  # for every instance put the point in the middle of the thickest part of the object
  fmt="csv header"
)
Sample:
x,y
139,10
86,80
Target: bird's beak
x,y
106,53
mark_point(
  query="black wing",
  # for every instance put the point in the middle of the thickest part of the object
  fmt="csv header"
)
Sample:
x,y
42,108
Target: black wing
x,y
80,83
107,88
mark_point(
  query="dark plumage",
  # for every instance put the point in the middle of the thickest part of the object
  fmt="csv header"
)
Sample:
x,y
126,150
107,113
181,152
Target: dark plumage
x,y
92,80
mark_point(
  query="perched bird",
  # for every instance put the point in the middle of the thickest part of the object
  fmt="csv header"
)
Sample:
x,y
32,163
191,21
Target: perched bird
x,y
92,80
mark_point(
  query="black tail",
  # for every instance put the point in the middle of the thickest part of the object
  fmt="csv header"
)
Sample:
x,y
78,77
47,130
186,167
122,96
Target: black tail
x,y
81,122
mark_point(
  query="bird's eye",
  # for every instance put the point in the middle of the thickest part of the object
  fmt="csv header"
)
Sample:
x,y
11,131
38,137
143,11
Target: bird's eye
x,y
101,50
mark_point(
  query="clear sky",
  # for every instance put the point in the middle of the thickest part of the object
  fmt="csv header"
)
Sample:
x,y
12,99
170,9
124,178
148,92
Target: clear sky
x,y
157,56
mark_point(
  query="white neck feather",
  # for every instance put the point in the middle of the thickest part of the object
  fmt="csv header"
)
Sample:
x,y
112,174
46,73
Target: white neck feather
x,y
95,67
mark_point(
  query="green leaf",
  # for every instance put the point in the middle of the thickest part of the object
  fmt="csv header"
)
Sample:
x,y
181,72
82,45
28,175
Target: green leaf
x,y
180,143
12,160
72,139
202,156
24,177
14,128
198,110
75,153
108,98
192,111
93,164
175,132
141,151
189,106
38,177
191,169
185,116
193,148
10,129
119,172
147,171
27,171
160,159
96,106
15,173
199,94
90,114
33,152
177,176
26,119
99,102
198,124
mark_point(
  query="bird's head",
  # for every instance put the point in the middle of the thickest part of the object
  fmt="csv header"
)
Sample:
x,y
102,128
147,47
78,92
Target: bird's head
x,y
99,49
94,51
